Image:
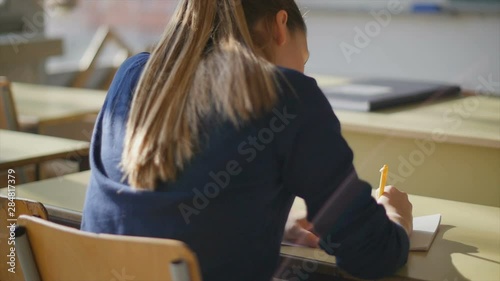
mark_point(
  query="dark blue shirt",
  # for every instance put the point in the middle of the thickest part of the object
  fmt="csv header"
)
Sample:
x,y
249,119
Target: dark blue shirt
x,y
231,201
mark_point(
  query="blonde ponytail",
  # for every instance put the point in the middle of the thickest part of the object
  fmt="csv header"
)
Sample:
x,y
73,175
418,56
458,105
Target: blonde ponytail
x,y
205,63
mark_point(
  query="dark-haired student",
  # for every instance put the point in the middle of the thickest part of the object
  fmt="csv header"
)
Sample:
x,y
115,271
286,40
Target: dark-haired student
x,y
209,139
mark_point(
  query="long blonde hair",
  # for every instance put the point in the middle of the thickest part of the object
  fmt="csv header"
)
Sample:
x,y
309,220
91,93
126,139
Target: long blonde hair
x,y
206,62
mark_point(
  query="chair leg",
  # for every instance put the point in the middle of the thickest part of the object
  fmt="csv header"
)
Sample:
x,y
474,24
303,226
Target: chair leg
x,y
25,255
38,172
180,271
84,164
21,172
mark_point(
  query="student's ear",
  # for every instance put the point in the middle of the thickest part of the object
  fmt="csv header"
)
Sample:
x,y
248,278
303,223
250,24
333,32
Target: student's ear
x,y
281,29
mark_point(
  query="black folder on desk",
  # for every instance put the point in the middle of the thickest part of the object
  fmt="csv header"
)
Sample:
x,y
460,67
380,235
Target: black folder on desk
x,y
374,94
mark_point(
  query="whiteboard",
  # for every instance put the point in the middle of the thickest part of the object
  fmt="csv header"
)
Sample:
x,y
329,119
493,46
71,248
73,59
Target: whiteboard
x,y
482,6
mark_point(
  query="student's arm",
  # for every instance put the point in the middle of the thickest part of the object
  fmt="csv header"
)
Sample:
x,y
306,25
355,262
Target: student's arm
x,y
352,226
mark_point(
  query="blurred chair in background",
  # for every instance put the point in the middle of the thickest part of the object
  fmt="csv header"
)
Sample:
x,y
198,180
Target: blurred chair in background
x,y
8,115
9,121
88,74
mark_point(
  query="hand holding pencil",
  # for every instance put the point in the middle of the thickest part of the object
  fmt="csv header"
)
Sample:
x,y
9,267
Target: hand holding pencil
x,y
397,206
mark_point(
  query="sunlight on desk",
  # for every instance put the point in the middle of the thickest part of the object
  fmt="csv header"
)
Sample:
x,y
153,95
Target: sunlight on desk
x,y
20,149
466,247
440,149
46,105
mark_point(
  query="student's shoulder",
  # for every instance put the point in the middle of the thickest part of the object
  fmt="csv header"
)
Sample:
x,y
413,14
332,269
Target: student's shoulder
x,y
297,80
296,85
137,60
129,73
126,78
134,63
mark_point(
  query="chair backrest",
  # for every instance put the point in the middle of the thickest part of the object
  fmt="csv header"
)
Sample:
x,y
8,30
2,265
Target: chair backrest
x,y
64,253
103,36
19,206
9,211
8,114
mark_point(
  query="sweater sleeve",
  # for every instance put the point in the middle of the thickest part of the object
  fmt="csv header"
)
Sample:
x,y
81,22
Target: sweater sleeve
x,y
352,226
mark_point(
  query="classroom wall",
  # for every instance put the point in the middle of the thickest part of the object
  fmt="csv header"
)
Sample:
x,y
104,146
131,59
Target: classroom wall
x,y
462,48
453,48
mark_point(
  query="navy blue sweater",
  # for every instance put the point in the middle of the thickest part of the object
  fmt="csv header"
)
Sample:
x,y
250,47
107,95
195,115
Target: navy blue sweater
x,y
231,202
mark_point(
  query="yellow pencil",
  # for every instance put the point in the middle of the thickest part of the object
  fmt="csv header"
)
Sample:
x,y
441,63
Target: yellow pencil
x,y
383,179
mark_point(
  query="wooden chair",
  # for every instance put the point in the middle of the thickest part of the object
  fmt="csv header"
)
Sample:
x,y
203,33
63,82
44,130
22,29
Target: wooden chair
x,y
8,115
48,251
21,207
103,36
9,121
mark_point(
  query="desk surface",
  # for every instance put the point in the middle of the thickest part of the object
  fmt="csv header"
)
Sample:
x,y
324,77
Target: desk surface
x,y
467,245
66,192
470,121
45,104
19,149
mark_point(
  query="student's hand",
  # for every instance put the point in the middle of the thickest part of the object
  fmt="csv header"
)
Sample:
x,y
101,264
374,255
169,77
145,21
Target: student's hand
x,y
297,229
300,232
398,207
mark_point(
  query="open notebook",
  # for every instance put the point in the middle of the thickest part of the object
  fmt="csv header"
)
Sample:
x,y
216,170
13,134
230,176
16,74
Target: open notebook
x,y
424,231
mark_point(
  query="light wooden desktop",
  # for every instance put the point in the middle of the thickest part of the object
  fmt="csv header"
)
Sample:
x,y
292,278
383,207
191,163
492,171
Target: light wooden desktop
x,y
47,105
467,246
19,149
447,149
63,197
440,150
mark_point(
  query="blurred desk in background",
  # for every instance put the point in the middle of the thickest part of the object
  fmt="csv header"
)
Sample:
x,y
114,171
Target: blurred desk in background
x,y
21,149
63,197
447,149
47,105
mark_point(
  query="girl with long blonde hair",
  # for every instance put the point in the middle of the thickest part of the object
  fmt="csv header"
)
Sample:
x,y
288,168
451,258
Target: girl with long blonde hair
x,y
209,138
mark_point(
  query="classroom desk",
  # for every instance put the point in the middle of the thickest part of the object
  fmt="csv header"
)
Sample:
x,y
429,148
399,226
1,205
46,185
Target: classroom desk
x,y
63,197
47,105
467,246
439,150
442,149
20,149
